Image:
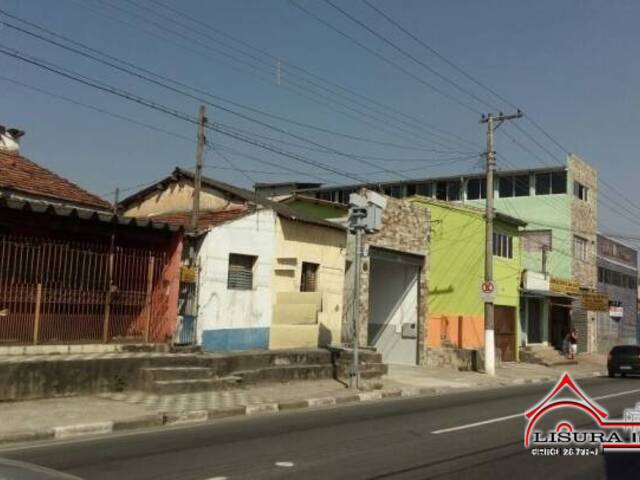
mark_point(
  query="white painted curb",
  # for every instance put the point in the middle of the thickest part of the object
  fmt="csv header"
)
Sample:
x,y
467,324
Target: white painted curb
x,y
82,429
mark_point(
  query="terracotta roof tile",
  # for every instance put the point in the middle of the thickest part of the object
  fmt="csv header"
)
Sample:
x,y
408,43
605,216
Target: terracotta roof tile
x,y
206,219
21,175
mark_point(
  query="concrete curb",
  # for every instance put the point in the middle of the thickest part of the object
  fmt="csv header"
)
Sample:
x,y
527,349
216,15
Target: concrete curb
x,y
200,416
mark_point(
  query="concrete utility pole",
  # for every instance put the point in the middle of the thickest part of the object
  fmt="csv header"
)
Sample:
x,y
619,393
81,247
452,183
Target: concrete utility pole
x,y
489,337
195,211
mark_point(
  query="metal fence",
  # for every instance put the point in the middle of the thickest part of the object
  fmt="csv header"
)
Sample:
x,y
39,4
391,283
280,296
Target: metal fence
x,y
54,291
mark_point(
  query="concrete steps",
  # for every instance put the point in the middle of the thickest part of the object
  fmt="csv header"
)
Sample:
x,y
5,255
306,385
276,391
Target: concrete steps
x,y
174,387
174,380
286,373
204,373
544,355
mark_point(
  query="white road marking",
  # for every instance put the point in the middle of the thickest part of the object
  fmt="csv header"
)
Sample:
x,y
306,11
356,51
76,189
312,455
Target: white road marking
x,y
284,464
521,414
217,478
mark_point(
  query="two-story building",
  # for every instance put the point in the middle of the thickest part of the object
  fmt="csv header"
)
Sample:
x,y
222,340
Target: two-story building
x,y
618,278
455,308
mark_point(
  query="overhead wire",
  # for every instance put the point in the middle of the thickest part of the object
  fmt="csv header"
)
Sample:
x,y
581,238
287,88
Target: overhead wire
x,y
194,97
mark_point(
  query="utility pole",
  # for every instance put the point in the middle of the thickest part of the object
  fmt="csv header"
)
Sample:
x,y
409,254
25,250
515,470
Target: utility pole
x,y
489,337
195,211
354,378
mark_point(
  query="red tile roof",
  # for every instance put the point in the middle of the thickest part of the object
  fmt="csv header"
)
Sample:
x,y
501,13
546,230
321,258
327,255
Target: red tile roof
x,y
206,219
21,175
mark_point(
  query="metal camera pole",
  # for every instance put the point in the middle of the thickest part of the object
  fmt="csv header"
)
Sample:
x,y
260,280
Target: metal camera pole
x,y
354,380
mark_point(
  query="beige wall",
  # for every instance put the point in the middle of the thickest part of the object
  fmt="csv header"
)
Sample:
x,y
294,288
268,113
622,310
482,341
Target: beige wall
x,y
298,242
178,197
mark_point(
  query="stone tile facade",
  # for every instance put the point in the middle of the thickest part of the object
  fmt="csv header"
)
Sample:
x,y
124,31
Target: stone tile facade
x,y
584,220
405,230
584,225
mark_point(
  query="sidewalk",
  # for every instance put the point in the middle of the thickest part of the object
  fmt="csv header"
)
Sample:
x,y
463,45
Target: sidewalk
x,y
89,415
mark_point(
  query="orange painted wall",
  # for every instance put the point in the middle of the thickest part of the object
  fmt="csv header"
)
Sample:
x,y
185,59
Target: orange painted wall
x,y
463,331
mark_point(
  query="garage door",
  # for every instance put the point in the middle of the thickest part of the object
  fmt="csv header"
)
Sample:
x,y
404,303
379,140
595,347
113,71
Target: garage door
x,y
505,332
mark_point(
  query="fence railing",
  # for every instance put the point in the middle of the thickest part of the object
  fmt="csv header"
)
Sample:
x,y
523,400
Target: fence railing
x,y
54,291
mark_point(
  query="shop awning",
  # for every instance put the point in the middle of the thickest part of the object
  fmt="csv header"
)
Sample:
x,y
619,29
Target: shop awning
x,y
546,293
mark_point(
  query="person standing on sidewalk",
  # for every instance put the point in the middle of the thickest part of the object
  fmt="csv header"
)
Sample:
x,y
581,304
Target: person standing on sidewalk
x,y
573,343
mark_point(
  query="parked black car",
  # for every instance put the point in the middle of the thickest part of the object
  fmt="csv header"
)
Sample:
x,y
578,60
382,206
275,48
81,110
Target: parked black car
x,y
624,359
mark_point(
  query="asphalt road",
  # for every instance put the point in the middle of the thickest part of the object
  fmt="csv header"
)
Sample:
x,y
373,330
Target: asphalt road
x,y
390,439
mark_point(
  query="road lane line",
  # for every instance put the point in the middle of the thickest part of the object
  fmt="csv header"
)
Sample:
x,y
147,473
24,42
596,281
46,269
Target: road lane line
x,y
477,424
516,415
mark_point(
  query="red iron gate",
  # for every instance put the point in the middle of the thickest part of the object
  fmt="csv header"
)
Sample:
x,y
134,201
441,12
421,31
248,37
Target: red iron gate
x,y
55,291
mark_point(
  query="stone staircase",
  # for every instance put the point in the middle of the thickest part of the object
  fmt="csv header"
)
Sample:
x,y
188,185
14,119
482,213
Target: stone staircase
x,y
544,355
176,379
198,373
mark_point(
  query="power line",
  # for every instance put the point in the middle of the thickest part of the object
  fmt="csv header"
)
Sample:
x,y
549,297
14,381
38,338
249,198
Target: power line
x,y
376,125
440,56
172,112
415,121
181,92
218,147
493,92
385,59
407,54
181,84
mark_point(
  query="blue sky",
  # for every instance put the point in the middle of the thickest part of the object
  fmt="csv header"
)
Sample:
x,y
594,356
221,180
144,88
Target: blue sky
x,y
572,66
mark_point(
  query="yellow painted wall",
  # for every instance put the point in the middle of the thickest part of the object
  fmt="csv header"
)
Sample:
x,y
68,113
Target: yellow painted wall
x,y
298,242
178,197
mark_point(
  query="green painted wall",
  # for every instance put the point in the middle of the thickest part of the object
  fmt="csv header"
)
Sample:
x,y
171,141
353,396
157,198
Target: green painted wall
x,y
316,210
456,260
541,213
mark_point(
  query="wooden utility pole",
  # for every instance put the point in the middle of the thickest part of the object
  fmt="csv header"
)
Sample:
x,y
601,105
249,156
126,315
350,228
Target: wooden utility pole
x,y
195,212
489,336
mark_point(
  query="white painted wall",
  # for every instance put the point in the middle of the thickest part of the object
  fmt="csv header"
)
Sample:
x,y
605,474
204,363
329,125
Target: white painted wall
x,y
220,308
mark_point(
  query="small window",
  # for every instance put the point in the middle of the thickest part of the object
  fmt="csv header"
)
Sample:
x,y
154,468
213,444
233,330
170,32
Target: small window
x,y
521,187
309,278
559,182
425,189
502,245
580,247
240,275
582,193
551,182
600,274
441,190
505,186
397,191
454,191
476,188
543,183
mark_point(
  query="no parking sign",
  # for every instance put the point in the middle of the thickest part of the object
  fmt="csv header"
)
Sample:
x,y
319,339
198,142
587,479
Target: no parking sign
x,y
488,291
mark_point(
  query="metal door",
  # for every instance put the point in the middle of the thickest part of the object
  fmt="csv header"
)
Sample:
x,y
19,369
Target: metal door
x,y
505,332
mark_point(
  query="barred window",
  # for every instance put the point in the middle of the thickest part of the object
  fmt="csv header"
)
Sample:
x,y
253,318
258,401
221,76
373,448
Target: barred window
x,y
503,245
309,279
240,271
580,247
476,188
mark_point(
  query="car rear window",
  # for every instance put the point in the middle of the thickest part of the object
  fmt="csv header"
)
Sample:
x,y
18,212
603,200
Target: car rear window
x,y
626,350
